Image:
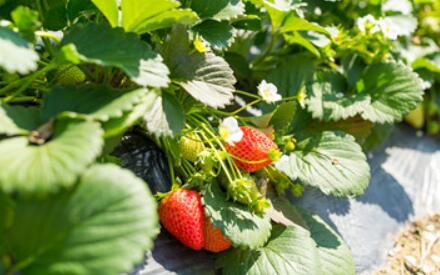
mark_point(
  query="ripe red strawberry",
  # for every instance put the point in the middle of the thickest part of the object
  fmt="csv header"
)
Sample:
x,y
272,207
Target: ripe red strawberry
x,y
256,147
214,239
181,213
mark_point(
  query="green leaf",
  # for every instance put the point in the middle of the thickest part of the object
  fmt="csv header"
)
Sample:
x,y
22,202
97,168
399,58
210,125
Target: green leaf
x,y
290,250
86,230
283,212
291,79
335,256
430,64
291,27
26,20
219,9
278,11
118,126
283,116
239,65
219,35
16,120
174,113
379,133
110,10
317,39
205,76
54,14
76,8
241,226
143,16
112,47
100,102
352,66
294,23
330,161
326,98
53,165
394,91
166,117
16,55
297,38
6,214
356,126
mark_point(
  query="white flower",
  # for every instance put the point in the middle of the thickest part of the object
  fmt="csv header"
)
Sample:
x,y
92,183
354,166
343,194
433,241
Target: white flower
x,y
302,96
388,29
432,23
269,92
333,31
317,11
426,84
230,131
368,24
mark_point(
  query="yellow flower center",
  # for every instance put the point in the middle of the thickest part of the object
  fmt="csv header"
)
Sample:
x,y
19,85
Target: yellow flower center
x,y
267,93
301,96
224,133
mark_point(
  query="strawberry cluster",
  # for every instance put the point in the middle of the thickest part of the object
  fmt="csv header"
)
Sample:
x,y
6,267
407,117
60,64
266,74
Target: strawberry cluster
x,y
181,211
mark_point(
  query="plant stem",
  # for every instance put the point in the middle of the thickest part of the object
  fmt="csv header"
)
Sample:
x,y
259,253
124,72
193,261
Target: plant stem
x,y
225,169
25,99
24,82
247,94
238,110
48,35
260,58
236,173
28,82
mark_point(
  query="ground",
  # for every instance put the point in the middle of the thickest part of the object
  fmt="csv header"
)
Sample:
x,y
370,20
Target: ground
x,y
416,250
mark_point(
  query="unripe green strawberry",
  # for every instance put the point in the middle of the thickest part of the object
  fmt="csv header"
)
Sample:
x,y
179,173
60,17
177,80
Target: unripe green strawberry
x,y
70,75
190,147
246,192
433,109
181,213
416,118
254,151
207,161
433,127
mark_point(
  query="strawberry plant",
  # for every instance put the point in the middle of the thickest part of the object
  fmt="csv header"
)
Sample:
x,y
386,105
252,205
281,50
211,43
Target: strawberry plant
x,y
421,51
222,110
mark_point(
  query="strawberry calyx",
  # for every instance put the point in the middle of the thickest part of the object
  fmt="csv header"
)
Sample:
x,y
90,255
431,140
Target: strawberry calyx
x,y
274,153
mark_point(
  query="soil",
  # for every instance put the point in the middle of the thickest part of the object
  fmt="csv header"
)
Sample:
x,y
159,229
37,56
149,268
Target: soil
x,y
416,250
